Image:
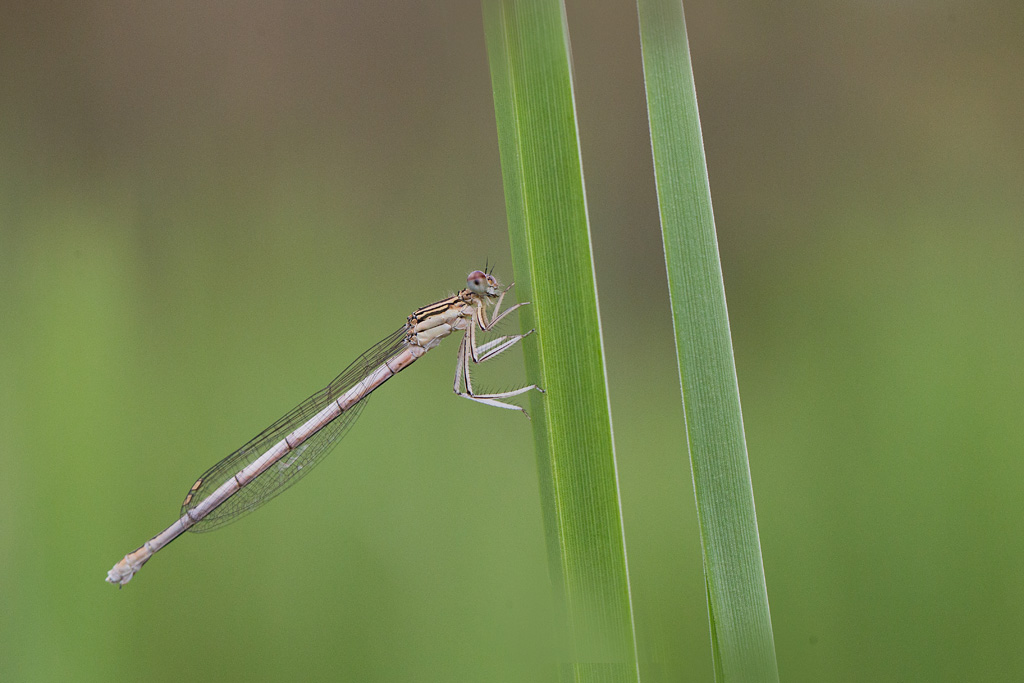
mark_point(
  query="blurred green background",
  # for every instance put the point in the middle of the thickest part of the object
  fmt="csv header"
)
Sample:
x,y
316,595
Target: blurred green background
x,y
207,210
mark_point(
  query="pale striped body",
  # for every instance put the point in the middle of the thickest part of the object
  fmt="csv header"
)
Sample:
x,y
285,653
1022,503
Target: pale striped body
x,y
424,329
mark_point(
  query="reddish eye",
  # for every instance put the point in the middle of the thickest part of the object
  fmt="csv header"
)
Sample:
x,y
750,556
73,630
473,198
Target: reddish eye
x,y
477,281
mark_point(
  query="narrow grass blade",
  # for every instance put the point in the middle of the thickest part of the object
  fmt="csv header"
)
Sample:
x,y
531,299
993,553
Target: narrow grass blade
x,y
741,631
528,48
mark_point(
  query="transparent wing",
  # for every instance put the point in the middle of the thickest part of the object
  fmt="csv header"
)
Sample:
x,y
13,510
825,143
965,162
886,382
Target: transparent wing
x,y
297,463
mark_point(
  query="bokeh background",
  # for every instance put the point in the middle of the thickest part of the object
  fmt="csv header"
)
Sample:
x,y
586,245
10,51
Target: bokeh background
x,y
208,209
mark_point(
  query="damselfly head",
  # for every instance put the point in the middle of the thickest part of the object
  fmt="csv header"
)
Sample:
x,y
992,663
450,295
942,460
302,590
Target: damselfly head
x,y
483,283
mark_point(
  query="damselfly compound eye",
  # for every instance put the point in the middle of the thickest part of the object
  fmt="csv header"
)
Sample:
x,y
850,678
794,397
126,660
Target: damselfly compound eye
x,y
477,281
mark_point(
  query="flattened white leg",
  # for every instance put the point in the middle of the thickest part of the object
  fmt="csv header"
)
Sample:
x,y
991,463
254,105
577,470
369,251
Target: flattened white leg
x,y
492,348
496,318
487,325
486,352
467,350
491,344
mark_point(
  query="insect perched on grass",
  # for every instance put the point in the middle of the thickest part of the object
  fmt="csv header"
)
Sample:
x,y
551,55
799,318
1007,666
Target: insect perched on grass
x,y
286,450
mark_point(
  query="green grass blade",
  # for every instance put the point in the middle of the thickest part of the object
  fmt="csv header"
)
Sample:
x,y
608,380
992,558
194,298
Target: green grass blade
x,y
527,44
741,631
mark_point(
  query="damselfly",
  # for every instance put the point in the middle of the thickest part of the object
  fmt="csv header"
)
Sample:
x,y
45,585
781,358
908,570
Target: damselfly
x,y
286,450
